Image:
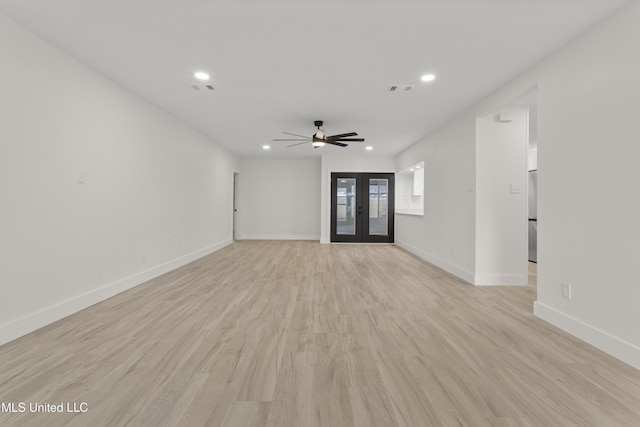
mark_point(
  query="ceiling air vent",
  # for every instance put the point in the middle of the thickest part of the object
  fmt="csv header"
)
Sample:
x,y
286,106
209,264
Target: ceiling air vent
x,y
199,87
400,88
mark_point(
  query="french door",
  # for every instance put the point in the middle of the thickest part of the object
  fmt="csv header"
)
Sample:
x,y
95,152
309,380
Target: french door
x,y
362,207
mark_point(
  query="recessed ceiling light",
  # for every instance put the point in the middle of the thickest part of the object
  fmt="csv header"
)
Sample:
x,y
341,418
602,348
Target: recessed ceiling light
x,y
417,166
369,148
411,170
266,147
201,75
428,78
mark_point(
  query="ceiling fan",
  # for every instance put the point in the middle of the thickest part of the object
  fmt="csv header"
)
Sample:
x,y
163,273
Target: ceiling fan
x,y
319,138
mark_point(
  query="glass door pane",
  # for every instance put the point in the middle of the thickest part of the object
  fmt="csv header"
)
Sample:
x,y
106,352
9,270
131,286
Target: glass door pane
x,y
346,207
378,207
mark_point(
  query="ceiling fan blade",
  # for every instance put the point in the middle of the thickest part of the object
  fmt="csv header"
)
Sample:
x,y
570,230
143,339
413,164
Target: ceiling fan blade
x,y
299,143
291,139
342,135
295,134
339,144
351,139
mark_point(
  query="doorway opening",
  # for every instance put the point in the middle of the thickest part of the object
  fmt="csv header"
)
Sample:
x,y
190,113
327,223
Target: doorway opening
x,y
530,100
362,207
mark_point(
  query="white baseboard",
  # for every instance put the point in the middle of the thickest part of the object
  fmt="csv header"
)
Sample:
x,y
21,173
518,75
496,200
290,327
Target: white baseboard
x,y
36,320
279,237
501,280
443,264
614,346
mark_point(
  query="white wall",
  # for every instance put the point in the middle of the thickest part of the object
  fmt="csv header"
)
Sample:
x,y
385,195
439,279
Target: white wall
x,y
345,164
588,175
501,198
532,162
445,234
99,190
588,198
279,199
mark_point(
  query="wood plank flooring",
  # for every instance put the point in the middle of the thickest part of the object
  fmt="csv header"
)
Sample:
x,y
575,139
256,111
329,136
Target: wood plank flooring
x,y
302,334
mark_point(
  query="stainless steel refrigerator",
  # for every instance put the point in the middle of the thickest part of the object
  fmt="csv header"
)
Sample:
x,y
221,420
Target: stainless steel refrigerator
x,y
533,215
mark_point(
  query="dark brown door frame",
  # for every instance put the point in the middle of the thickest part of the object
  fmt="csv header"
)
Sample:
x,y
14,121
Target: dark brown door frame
x,y
362,205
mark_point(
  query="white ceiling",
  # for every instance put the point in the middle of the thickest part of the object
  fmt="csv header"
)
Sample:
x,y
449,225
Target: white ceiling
x,y
279,65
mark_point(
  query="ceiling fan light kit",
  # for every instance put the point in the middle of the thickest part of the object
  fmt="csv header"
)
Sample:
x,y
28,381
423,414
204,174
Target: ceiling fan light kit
x,y
319,138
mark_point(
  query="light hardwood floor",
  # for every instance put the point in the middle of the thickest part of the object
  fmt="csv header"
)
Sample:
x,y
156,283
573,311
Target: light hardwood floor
x,y
303,334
